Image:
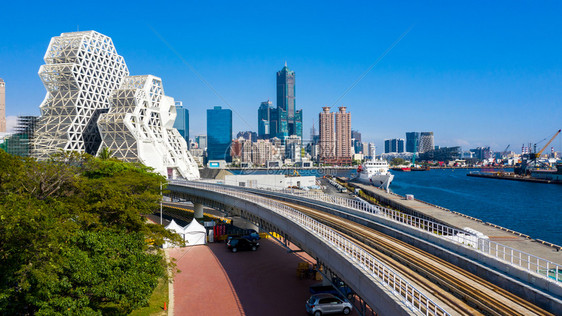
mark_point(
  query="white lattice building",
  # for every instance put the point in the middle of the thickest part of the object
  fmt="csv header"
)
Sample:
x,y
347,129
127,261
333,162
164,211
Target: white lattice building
x,y
139,127
82,71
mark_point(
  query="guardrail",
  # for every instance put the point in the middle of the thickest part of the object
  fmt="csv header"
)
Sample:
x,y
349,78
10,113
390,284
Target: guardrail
x,y
536,265
529,262
361,258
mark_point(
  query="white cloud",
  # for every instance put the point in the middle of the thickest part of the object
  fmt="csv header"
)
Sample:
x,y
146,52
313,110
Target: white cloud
x,y
11,122
461,142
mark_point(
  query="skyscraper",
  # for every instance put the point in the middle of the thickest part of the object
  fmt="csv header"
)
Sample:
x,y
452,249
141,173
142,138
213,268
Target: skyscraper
x,y
395,145
426,142
285,120
372,150
356,142
219,133
2,106
343,136
182,121
286,90
412,142
201,140
264,119
327,142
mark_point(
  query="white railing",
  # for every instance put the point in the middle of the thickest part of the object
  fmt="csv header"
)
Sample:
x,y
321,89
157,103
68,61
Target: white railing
x,y
358,256
536,265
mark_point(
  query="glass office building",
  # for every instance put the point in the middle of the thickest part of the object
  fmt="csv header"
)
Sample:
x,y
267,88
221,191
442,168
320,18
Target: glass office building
x,y
219,133
182,121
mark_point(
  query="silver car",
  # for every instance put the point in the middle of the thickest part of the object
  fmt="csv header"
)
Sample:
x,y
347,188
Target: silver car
x,y
320,304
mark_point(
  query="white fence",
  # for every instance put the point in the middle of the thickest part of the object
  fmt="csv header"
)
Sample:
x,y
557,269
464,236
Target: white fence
x,y
536,265
361,258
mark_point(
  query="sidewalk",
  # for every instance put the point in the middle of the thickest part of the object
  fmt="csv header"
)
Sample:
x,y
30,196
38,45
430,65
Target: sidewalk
x,y
215,281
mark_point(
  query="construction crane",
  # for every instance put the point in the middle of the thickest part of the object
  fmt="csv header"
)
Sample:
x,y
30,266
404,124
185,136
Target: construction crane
x,y
415,150
505,150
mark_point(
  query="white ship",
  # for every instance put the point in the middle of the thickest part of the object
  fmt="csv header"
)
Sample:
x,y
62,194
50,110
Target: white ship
x,y
375,172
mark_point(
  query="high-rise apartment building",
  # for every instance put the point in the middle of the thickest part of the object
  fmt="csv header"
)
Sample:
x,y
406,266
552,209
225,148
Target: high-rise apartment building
x,y
372,150
293,145
356,142
182,121
2,106
426,142
219,133
201,140
395,145
249,135
343,136
327,141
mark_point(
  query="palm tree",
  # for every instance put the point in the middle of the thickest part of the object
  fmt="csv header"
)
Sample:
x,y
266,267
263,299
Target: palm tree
x,y
105,153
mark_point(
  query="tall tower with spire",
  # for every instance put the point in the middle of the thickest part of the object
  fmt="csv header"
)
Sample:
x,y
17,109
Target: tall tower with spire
x,y
287,120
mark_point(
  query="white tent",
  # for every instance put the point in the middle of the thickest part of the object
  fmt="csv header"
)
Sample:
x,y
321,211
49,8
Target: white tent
x,y
173,226
195,233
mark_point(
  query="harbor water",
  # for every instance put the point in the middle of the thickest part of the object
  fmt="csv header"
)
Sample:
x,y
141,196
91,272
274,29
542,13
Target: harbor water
x,y
534,209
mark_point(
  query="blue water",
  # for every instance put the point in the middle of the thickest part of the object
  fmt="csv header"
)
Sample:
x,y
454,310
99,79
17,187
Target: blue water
x,y
534,209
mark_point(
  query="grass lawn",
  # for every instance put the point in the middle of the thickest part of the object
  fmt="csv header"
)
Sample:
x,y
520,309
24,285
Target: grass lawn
x,y
156,302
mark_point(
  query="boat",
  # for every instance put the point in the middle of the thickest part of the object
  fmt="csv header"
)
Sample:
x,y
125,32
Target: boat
x,y
554,173
404,169
375,172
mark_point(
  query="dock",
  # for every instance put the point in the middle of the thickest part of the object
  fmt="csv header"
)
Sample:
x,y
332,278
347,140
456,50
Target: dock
x,y
458,220
510,176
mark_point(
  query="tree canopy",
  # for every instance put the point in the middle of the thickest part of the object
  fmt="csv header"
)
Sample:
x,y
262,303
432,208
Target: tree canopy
x,y
72,238
397,161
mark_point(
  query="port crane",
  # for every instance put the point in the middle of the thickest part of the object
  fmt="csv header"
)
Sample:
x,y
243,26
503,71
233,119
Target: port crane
x,y
527,164
534,156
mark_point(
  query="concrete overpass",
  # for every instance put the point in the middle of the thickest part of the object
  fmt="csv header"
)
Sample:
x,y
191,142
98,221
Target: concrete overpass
x,y
378,285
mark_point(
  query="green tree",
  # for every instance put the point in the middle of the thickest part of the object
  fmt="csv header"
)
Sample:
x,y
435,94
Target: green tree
x,y
397,161
72,237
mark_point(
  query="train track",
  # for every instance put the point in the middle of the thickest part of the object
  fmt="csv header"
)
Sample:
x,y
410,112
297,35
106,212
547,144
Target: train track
x,y
463,292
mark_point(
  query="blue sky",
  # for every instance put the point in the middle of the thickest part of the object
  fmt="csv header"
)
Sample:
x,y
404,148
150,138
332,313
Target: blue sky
x,y
475,73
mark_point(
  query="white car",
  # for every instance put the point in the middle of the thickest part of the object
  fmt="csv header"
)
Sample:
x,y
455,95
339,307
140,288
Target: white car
x,y
320,304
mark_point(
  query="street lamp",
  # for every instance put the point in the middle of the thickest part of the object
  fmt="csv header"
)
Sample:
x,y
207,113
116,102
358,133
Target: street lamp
x,y
161,197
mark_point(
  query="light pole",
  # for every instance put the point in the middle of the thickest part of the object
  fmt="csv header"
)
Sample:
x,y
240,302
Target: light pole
x,y
161,197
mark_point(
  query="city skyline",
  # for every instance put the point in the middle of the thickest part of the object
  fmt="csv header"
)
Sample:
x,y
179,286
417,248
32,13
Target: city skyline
x,y
472,84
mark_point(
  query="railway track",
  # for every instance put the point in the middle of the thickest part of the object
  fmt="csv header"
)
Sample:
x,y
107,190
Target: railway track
x,y
463,292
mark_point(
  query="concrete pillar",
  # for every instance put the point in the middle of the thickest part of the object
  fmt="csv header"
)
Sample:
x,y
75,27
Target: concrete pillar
x,y
198,208
326,277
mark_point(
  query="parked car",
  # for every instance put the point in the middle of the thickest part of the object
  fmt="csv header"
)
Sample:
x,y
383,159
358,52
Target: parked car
x,y
342,290
239,243
249,234
321,304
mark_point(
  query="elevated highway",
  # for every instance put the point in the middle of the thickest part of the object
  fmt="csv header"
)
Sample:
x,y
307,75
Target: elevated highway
x,y
385,260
